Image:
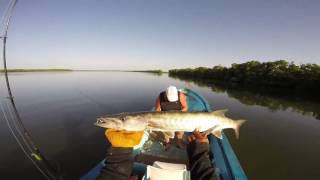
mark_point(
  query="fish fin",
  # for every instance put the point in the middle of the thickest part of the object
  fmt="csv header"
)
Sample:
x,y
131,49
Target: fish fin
x,y
238,123
210,130
217,133
169,134
154,125
220,113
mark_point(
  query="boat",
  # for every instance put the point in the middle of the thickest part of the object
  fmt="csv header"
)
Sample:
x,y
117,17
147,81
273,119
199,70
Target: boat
x,y
223,159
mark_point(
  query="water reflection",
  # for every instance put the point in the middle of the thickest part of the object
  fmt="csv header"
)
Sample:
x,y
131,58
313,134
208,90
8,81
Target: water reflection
x,y
59,110
274,101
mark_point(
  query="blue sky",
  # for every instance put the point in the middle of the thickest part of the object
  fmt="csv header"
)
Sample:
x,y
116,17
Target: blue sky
x,y
161,34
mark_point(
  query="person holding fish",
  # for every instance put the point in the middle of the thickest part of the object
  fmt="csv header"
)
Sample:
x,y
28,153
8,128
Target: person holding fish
x,y
119,158
172,100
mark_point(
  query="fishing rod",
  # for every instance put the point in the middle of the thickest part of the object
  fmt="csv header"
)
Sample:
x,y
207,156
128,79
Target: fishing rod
x,y
15,125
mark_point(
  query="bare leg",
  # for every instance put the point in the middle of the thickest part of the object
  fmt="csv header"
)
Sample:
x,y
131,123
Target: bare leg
x,y
168,139
180,143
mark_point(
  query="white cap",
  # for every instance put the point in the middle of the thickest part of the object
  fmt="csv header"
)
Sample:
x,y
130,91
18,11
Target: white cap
x,y
172,93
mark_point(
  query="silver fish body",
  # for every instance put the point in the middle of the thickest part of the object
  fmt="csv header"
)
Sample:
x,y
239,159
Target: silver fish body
x,y
214,121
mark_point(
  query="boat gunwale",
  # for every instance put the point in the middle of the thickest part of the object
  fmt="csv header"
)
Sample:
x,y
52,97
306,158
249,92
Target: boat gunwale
x,y
232,167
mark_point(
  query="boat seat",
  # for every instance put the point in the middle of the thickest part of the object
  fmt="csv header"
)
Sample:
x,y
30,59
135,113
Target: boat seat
x,y
169,166
162,170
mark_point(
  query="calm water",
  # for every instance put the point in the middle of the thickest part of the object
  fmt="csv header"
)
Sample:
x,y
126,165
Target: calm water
x,y
281,139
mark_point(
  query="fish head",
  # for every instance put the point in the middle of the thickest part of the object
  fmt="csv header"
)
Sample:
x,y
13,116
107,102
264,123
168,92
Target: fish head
x,y
122,121
110,122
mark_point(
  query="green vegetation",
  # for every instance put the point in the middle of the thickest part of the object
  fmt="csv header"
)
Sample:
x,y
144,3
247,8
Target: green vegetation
x,y
35,70
150,71
279,75
273,100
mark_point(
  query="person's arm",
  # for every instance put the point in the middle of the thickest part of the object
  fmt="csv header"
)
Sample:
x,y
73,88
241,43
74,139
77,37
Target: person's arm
x,y
198,152
119,158
183,101
158,106
118,164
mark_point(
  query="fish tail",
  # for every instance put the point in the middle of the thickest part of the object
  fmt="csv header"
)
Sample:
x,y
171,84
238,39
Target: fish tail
x,y
237,126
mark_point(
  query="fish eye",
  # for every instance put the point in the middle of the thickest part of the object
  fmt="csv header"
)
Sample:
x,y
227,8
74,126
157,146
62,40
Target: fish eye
x,y
100,121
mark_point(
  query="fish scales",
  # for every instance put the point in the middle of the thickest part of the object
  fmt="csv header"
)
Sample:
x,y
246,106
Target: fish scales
x,y
188,122
171,121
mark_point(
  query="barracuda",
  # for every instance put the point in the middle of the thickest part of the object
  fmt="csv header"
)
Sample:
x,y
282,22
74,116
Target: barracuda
x,y
213,122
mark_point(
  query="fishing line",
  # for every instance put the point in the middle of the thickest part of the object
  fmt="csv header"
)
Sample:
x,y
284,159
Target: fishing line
x,y
93,101
37,156
20,144
18,129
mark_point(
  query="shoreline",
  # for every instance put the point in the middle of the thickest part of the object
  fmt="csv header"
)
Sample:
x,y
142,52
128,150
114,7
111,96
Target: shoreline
x,y
81,70
36,70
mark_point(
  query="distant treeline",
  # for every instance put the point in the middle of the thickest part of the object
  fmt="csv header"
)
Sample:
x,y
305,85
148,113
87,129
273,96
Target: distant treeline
x,y
274,101
35,70
277,74
149,71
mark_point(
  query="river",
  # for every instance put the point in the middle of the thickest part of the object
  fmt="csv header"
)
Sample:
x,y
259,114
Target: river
x,y
279,141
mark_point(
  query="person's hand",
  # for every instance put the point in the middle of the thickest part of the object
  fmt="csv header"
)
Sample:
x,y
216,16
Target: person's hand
x,y
123,138
198,136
